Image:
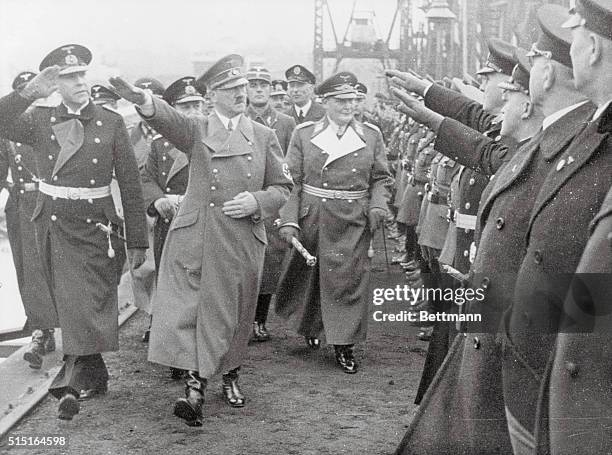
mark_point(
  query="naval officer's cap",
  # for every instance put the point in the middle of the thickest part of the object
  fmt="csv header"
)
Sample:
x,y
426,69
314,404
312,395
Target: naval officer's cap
x,y
22,79
299,73
554,41
183,90
500,59
71,58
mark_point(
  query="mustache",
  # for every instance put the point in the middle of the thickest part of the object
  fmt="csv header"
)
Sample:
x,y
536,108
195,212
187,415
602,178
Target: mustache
x,y
240,99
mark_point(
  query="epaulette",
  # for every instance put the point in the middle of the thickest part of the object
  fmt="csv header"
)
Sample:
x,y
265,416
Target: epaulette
x,y
157,136
305,124
110,109
372,126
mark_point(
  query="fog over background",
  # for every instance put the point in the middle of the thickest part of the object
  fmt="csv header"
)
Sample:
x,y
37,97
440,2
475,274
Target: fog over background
x,y
162,38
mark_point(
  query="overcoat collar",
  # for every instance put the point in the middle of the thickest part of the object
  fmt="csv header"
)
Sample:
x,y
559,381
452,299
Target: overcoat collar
x,y
225,143
324,137
180,161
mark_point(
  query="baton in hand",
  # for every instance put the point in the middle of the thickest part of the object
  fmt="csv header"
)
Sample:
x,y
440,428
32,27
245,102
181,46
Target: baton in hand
x,y
311,261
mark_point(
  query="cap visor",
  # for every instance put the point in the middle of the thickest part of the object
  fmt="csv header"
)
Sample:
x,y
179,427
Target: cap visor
x,y
344,96
232,83
485,70
277,93
573,21
187,99
269,81
74,69
509,86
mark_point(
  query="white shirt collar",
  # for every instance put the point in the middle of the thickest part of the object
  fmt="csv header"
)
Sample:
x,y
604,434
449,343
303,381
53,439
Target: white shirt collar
x,y
552,118
78,111
335,127
600,110
305,108
225,120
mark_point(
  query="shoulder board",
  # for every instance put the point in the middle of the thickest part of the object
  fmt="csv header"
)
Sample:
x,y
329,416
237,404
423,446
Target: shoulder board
x,y
304,125
110,109
157,136
371,126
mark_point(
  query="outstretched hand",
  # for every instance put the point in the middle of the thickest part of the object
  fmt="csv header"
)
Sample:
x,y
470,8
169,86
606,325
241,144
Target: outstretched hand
x,y
128,91
408,81
417,110
43,84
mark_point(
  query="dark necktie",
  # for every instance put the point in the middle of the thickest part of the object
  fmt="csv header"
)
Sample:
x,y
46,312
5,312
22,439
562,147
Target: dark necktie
x,y
300,115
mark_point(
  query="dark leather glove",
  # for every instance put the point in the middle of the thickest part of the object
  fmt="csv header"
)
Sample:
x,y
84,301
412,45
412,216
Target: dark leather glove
x,y
376,217
288,232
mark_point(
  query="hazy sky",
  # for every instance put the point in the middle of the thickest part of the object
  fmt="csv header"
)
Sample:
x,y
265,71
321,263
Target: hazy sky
x,y
162,37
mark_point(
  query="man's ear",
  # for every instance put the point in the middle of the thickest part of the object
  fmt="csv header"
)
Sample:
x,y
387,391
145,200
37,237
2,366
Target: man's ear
x,y
595,48
527,110
549,76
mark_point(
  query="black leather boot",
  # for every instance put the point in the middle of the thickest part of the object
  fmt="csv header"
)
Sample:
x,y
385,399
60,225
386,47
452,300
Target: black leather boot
x,y
260,333
231,392
190,407
36,350
68,407
345,358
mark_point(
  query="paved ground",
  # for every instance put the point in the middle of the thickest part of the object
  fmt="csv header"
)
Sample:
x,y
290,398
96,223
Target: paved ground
x,y
299,402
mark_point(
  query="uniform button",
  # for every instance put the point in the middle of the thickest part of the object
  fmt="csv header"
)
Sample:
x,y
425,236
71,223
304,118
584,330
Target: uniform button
x,y
355,154
514,168
323,151
164,158
353,170
18,144
163,173
166,220
499,223
537,256
213,188
212,204
249,175
350,201
466,253
323,200
54,198
472,181
325,185
215,171
92,182
498,138
53,137
572,368
19,168
55,178
51,157
53,218
166,144
52,119
485,283
94,161
467,205
249,158
167,189
22,191
99,123
89,220
21,180
476,343
97,140
90,201
560,164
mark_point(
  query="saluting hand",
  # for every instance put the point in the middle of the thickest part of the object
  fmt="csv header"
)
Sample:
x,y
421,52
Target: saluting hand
x,y
43,85
165,207
408,81
244,204
417,110
128,91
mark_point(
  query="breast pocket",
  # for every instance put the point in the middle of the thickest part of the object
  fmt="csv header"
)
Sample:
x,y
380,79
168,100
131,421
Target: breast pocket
x,y
183,220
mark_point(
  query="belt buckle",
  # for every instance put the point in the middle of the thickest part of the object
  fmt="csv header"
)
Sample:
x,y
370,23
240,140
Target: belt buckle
x,y
73,193
337,195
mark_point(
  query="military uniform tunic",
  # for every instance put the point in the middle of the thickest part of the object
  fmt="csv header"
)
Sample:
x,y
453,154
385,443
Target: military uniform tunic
x,y
82,277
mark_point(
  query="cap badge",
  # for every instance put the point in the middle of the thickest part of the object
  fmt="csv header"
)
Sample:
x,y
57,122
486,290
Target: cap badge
x,y
190,90
71,59
234,71
297,70
25,76
344,77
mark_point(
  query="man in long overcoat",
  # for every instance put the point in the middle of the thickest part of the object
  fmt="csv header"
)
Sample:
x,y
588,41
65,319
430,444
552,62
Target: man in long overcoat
x,y
341,175
213,257
78,146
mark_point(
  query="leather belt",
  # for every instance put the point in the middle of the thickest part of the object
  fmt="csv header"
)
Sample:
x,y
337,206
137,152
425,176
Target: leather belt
x,y
25,187
68,192
175,198
334,194
465,221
